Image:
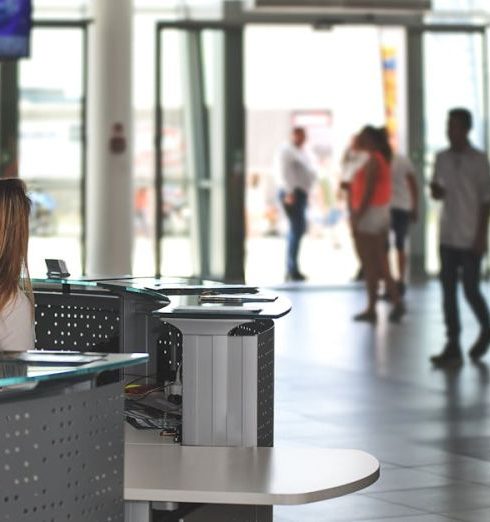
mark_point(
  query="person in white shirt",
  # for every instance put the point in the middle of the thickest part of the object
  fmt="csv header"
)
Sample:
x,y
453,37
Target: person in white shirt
x,y
16,300
462,181
296,179
404,209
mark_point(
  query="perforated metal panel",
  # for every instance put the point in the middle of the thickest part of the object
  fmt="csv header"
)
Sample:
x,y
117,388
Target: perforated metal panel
x,y
169,351
61,457
252,328
264,331
77,322
265,388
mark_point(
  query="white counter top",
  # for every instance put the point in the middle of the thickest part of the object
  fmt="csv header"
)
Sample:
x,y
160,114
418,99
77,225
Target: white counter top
x,y
232,475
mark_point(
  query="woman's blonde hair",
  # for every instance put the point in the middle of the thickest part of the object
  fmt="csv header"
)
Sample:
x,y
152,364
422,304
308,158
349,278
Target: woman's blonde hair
x,y
15,207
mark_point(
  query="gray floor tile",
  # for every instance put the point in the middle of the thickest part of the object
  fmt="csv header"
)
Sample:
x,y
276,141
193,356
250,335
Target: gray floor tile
x,y
479,515
408,454
345,509
443,499
476,447
416,518
467,469
405,478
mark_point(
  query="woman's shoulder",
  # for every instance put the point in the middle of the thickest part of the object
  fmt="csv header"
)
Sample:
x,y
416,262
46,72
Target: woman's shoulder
x,y
17,324
18,305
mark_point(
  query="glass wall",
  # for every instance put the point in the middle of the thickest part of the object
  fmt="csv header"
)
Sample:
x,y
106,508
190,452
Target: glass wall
x,y
179,243
178,207
144,144
190,149
50,144
331,81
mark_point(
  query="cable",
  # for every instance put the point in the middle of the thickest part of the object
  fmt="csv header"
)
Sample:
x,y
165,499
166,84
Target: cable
x,y
138,377
149,392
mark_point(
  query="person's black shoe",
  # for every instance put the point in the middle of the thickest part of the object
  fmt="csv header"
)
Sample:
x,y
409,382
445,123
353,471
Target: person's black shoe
x,y
397,312
481,345
450,357
295,276
401,288
366,317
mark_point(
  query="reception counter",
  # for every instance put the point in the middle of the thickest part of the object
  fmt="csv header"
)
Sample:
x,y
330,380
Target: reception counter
x,y
61,437
222,353
212,346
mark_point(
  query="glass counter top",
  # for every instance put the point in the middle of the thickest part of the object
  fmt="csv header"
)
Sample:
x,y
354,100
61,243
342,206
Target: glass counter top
x,y
150,286
169,286
123,284
64,281
37,365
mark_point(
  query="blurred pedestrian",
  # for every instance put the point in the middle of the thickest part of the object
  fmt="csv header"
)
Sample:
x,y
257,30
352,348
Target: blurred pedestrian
x,y
370,193
404,210
297,176
462,182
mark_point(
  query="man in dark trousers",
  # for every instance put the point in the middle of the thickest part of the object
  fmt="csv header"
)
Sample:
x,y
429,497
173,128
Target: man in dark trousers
x,y
462,182
296,179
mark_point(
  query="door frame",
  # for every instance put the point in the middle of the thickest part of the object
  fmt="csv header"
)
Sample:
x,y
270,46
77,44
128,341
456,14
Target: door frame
x,y
416,121
233,237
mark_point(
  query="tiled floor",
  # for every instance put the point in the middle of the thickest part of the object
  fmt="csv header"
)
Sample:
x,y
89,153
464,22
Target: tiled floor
x,y
347,385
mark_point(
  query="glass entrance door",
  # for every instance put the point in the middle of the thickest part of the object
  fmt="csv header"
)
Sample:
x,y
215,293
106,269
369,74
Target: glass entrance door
x,y
332,83
51,144
189,174
454,65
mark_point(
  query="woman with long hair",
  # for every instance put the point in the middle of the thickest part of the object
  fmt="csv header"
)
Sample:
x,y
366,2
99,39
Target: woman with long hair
x,y
16,299
370,214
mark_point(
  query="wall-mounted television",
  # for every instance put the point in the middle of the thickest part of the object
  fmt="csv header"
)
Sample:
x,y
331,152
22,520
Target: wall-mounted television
x,y
15,28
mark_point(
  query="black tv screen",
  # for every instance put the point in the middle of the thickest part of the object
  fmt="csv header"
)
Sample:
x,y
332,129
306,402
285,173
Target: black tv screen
x,y
15,28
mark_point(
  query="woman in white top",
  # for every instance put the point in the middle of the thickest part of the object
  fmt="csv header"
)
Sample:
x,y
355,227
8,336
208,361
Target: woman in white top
x,y
16,299
404,209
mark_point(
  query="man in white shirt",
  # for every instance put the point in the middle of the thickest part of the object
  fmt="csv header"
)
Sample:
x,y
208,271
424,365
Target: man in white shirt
x,y
462,181
296,179
404,209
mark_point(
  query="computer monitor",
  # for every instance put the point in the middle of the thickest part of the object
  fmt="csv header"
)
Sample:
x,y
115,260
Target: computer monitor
x,y
15,28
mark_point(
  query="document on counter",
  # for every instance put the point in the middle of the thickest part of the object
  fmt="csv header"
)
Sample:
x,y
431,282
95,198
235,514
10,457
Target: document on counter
x,y
50,358
216,308
237,298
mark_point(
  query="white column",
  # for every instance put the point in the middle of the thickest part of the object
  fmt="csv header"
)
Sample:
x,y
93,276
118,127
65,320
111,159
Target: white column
x,y
109,201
